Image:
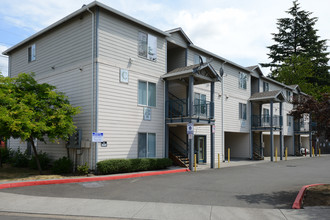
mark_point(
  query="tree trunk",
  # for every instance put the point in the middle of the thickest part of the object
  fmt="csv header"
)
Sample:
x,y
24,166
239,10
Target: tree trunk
x,y
36,155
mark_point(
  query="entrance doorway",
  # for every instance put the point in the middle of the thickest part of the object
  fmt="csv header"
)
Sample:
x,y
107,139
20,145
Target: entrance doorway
x,y
200,148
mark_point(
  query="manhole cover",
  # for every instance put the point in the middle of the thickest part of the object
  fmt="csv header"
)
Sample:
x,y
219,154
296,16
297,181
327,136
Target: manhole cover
x,y
92,184
290,166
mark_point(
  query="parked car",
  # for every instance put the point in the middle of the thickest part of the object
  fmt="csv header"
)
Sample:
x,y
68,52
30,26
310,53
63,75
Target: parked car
x,y
302,150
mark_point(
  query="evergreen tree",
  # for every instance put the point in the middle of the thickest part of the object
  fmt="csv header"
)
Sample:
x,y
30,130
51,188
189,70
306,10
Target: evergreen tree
x,y
297,37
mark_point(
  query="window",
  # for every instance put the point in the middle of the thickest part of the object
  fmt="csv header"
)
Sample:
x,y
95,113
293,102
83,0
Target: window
x,y
147,94
242,80
265,86
146,145
197,60
200,104
289,120
147,46
288,95
32,53
266,115
242,111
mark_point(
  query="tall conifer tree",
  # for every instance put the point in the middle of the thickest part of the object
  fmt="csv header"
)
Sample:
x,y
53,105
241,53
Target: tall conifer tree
x,y
296,38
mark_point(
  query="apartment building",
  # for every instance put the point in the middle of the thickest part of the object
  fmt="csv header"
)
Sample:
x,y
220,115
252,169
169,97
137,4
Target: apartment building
x,y
153,93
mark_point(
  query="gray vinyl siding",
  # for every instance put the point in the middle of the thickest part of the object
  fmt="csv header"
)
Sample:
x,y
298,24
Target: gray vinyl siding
x,y
120,117
67,48
178,39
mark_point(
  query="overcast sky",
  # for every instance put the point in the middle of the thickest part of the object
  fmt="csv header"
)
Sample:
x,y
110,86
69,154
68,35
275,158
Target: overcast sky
x,y
238,30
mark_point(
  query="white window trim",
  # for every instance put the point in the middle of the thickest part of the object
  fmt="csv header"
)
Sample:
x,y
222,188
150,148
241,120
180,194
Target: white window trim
x,y
240,84
148,35
147,147
147,105
240,113
32,57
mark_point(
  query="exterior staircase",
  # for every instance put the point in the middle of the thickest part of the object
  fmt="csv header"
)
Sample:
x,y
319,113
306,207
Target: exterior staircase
x,y
178,158
256,153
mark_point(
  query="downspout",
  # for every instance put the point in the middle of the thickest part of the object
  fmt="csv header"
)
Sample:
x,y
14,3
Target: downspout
x,y
92,104
222,116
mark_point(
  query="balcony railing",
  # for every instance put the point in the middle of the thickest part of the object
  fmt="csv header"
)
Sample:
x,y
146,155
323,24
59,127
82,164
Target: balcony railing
x,y
264,121
178,108
301,126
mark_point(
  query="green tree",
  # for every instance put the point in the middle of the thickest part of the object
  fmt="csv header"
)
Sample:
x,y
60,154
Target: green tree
x,y
298,38
32,111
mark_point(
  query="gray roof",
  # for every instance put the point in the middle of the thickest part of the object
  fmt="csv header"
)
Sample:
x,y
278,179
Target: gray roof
x,y
251,68
204,71
179,29
275,95
84,8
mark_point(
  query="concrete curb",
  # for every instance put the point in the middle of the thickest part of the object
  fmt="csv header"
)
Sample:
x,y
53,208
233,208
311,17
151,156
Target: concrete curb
x,y
89,179
298,202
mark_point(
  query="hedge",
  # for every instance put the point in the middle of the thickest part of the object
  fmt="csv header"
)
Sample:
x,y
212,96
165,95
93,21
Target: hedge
x,y
132,165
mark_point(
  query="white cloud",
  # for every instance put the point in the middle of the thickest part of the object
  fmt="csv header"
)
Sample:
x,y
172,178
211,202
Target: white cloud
x,y
226,32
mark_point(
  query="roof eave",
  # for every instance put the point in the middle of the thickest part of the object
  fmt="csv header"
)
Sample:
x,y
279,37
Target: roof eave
x,y
68,17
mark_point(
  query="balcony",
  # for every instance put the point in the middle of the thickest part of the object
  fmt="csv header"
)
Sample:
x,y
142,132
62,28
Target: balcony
x,y
263,121
301,127
178,108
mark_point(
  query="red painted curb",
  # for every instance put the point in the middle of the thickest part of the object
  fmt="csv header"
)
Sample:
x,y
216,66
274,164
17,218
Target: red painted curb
x,y
88,179
298,202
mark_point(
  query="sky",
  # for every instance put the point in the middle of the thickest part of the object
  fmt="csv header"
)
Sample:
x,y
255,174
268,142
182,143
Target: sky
x,y
238,30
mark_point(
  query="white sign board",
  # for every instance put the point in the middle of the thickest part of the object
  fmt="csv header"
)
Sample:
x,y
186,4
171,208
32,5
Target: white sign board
x,y
213,129
97,137
190,136
190,128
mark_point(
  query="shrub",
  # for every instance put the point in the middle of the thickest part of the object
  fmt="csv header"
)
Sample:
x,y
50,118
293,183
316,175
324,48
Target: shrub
x,y
20,159
62,166
6,155
132,165
43,159
83,169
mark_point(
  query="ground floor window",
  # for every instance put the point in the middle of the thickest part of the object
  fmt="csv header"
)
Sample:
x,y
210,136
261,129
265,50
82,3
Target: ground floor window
x,y
147,145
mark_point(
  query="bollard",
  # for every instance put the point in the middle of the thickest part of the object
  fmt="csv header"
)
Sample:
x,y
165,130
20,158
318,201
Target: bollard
x,y
313,153
286,153
228,155
276,154
218,161
195,163
319,152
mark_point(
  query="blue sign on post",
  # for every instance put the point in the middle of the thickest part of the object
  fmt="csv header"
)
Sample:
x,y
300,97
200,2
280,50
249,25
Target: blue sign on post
x,y
97,137
190,128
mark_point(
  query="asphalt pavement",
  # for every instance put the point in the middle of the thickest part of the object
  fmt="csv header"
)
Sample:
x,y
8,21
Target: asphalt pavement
x,y
255,191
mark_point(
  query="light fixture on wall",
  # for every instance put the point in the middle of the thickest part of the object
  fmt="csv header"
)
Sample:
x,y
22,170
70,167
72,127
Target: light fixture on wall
x,y
131,60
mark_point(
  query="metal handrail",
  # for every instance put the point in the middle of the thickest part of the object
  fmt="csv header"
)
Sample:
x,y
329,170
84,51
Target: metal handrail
x,y
264,120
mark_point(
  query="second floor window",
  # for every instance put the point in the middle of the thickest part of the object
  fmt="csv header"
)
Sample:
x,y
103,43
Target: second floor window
x,y
242,80
200,104
289,120
32,53
242,111
266,86
288,96
147,94
147,46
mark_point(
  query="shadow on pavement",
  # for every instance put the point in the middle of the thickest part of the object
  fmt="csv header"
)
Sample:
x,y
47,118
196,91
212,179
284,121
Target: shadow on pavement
x,y
281,200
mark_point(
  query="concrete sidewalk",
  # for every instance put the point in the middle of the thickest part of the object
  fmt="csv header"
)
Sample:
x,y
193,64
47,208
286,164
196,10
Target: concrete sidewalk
x,y
145,210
